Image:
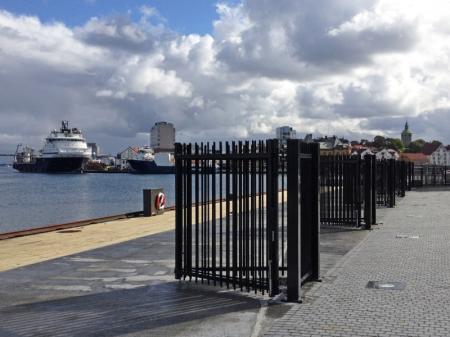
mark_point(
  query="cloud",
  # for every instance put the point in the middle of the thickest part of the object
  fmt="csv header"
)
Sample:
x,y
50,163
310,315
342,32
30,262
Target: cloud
x,y
348,68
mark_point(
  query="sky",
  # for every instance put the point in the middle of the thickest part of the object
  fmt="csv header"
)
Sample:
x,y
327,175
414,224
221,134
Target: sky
x,y
223,70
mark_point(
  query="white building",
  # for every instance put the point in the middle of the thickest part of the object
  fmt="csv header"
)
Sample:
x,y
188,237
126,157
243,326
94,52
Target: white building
x,y
284,133
387,154
440,156
162,138
123,156
94,149
363,152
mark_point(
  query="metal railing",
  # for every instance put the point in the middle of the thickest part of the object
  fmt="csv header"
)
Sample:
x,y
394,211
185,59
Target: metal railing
x,y
347,191
234,227
248,214
431,175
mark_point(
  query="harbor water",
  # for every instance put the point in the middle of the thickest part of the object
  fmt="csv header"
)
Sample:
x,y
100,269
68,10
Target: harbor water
x,y
29,200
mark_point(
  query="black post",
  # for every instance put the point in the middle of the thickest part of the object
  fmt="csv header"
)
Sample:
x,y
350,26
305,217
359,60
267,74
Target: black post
x,y
293,222
315,210
403,176
391,182
272,215
374,190
178,211
410,175
421,176
367,191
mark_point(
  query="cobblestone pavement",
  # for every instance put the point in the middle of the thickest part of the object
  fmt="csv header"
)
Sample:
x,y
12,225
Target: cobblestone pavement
x,y
411,247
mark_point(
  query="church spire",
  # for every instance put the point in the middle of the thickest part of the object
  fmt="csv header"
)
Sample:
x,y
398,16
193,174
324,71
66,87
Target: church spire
x,y
406,135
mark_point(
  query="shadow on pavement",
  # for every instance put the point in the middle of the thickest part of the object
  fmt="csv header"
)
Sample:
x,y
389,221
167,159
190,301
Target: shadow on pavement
x,y
122,311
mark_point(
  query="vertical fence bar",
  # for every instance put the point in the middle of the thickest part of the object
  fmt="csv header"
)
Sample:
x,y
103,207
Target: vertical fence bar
x,y
234,234
188,173
227,215
315,210
272,215
197,214
293,222
373,191
220,167
213,215
391,182
178,213
367,191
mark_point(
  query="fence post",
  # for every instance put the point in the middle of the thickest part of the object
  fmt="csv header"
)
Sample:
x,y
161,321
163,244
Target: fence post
x,y
391,182
374,190
410,175
272,214
293,222
434,175
367,191
421,176
178,211
315,210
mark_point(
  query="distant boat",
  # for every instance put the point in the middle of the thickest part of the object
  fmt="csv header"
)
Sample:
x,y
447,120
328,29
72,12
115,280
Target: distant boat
x,y
64,151
148,162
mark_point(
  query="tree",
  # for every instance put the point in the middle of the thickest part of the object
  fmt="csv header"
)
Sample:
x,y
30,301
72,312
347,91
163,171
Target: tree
x,y
395,144
379,141
416,146
436,142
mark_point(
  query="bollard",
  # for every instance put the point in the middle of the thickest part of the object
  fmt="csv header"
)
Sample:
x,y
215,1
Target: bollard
x,y
154,201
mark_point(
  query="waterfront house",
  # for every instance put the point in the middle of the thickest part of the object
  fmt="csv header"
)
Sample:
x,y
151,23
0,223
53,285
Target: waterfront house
x,y
437,154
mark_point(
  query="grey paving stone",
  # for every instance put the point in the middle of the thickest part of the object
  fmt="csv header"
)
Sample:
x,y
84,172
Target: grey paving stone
x,y
342,304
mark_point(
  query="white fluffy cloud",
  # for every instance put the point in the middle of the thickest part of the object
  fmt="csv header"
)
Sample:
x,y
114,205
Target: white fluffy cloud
x,y
332,67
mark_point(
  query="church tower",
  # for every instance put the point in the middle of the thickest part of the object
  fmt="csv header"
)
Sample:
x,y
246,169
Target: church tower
x,y
406,135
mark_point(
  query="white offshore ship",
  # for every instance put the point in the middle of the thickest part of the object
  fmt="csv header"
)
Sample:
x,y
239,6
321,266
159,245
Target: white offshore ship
x,y
65,150
146,161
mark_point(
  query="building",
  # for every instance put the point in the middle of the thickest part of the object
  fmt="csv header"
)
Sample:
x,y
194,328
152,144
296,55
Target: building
x,y
308,138
107,160
362,151
95,150
406,135
387,154
416,158
437,154
284,133
333,146
123,156
162,137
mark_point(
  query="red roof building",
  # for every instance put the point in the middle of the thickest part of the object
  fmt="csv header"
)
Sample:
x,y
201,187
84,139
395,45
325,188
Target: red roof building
x,y
416,158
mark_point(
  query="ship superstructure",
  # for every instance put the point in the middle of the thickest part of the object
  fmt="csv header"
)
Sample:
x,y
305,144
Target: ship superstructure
x,y
65,150
146,161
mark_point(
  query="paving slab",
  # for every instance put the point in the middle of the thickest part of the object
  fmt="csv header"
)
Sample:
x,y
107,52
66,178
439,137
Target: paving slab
x,y
409,257
128,289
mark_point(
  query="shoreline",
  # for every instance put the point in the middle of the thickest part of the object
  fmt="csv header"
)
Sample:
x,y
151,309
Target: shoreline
x,y
72,224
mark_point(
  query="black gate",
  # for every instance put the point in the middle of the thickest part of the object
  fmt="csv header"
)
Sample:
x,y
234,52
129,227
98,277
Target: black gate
x,y
386,182
347,191
234,225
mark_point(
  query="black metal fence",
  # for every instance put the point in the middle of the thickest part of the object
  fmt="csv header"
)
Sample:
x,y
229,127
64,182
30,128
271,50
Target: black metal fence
x,y
248,214
386,182
347,191
431,175
234,227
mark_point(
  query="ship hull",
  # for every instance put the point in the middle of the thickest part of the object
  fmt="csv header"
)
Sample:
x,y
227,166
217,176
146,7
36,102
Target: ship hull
x,y
149,167
52,165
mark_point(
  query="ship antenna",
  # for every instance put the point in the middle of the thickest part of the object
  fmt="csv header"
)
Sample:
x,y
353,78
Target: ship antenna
x,y
65,125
